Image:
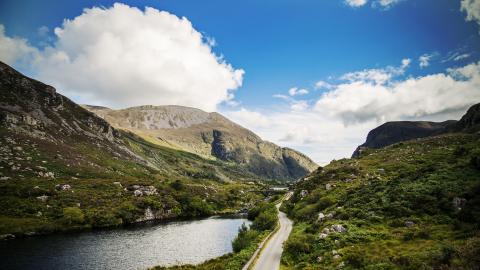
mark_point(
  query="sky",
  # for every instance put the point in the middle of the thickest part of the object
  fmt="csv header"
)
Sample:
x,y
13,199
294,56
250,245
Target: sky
x,y
312,75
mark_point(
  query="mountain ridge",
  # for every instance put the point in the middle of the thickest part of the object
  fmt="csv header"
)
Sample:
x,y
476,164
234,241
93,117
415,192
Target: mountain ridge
x,y
398,131
210,135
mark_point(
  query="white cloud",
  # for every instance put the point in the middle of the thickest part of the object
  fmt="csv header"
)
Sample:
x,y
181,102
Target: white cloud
x,y
342,117
42,31
136,57
456,56
295,91
386,3
461,56
15,50
377,76
472,8
323,85
299,105
406,63
383,4
355,3
442,95
424,60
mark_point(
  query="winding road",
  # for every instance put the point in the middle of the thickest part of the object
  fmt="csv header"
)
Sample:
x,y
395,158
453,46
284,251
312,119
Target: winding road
x,y
269,258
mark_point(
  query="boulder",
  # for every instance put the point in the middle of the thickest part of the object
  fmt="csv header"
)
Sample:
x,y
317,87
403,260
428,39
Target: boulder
x,y
338,228
409,224
322,236
63,187
328,186
43,198
138,193
321,217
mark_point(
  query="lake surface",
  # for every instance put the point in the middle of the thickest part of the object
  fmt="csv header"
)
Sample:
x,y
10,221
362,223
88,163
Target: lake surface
x,y
137,247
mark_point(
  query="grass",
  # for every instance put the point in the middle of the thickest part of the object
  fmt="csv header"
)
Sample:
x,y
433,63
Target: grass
x,y
397,206
99,175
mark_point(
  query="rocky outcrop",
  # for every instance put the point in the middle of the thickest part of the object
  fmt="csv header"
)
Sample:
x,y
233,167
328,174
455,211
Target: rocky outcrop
x,y
30,106
470,122
394,132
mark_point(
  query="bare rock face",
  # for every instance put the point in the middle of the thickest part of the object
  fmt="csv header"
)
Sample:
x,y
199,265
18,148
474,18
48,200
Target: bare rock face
x,y
33,107
210,135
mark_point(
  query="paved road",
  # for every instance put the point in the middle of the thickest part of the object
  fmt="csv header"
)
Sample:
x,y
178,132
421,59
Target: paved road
x,y
270,257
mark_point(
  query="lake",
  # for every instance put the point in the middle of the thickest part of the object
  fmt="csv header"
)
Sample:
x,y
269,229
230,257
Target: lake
x,y
136,247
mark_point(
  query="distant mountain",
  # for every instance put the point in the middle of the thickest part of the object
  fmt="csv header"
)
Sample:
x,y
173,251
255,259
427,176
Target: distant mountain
x,y
399,131
210,135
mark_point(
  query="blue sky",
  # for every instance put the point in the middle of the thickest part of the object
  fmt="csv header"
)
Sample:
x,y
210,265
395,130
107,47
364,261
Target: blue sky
x,y
284,44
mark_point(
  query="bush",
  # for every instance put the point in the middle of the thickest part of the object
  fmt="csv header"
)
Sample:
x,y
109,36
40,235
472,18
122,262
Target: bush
x,y
255,211
265,221
244,238
73,215
299,243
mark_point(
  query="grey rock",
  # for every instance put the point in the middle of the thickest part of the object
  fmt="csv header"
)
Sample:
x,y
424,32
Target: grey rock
x,y
43,198
338,228
409,224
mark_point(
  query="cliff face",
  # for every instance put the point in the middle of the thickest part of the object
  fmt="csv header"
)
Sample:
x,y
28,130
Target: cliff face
x,y
210,135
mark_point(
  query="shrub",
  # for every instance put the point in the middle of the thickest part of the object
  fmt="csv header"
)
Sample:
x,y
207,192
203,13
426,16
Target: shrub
x,y
265,221
73,215
244,238
299,243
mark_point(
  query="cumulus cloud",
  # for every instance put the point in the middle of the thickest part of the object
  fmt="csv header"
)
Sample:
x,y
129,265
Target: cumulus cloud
x,y
15,50
136,57
472,8
377,76
341,117
440,96
355,3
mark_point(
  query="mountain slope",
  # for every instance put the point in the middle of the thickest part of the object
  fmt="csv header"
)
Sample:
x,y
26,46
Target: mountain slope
x,y
399,131
210,135
62,168
411,205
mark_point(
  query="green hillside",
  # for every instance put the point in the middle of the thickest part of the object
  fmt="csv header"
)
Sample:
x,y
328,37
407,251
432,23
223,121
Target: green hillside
x,y
64,168
412,205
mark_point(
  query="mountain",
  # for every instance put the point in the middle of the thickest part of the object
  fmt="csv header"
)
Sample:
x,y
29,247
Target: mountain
x,y
399,131
209,135
63,168
412,205
470,122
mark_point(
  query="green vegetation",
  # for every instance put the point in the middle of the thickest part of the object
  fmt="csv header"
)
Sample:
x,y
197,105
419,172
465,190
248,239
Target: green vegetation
x,y
412,205
92,188
245,244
